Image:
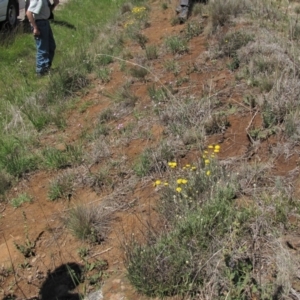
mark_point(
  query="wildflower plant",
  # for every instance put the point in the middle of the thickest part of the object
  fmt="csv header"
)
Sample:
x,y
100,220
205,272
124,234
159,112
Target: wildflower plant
x,y
198,206
139,12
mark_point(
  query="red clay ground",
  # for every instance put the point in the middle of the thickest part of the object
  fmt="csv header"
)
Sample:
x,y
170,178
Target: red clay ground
x,y
55,245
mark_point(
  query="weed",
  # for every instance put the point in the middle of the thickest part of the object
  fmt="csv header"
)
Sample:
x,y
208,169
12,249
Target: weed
x,y
220,11
83,252
198,9
157,94
89,223
104,59
181,80
100,130
55,159
138,72
234,64
84,106
104,74
37,115
151,52
62,186
173,66
175,21
192,30
177,45
124,96
142,165
164,6
216,124
195,221
15,159
141,39
233,41
106,115
28,248
22,198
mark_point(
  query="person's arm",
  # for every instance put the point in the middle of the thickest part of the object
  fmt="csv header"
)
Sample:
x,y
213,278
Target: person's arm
x,y
30,17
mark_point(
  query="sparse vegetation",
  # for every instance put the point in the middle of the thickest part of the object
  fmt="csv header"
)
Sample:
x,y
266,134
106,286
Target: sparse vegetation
x,y
20,199
177,45
206,120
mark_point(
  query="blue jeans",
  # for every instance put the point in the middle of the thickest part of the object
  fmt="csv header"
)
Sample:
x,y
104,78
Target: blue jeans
x,y
45,46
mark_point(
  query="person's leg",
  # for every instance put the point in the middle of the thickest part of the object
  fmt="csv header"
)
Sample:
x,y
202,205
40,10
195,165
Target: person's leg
x,y
52,46
184,2
42,47
183,9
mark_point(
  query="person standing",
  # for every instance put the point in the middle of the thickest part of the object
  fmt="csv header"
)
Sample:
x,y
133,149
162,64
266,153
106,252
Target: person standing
x,y
38,14
183,10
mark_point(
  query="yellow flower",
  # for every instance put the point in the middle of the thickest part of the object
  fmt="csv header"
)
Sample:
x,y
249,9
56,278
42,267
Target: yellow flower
x,y
184,181
210,147
204,156
207,161
217,147
166,184
179,181
172,164
193,168
205,151
157,182
216,150
208,173
178,189
187,165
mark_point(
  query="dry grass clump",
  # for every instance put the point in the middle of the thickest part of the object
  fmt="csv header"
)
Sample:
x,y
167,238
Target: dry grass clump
x,y
270,66
220,11
90,222
182,114
124,97
63,186
233,41
100,149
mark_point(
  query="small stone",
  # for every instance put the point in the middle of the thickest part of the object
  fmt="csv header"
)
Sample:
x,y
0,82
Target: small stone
x,y
33,260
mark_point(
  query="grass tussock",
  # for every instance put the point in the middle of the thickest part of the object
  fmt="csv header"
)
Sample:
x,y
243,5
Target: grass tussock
x,y
90,223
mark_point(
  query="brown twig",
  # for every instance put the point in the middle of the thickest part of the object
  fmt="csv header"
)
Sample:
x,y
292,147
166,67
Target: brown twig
x,y
102,252
250,123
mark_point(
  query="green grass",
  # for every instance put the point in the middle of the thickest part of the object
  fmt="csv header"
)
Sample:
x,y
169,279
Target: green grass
x,y
18,201
29,104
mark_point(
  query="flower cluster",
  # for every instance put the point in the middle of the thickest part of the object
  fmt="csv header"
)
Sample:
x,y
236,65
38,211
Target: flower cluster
x,y
159,182
207,156
139,10
128,23
210,153
172,164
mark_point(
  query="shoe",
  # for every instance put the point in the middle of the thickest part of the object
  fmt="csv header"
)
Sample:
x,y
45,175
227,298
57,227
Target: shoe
x,y
184,13
43,73
178,9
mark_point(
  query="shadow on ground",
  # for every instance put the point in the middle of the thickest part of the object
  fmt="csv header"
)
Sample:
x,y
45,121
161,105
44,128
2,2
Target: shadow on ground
x,y
59,284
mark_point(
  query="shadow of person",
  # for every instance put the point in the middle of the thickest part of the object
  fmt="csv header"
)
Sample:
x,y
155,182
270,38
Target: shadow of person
x,y
63,23
60,282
